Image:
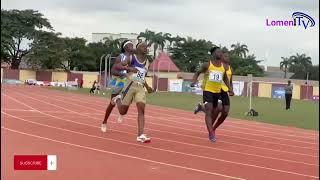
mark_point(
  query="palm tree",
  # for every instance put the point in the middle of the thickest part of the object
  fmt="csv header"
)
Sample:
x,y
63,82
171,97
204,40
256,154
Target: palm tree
x,y
147,35
300,63
155,39
285,64
113,46
167,37
179,39
240,50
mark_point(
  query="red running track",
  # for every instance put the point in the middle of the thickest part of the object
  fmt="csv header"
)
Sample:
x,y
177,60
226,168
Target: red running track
x,y
40,121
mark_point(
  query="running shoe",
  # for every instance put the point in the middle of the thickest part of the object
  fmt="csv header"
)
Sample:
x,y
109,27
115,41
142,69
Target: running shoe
x,y
143,138
212,137
104,128
198,108
120,119
114,100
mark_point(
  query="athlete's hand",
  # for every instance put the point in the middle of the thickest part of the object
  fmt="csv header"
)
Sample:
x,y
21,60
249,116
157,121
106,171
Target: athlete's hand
x,y
149,89
132,69
231,93
193,84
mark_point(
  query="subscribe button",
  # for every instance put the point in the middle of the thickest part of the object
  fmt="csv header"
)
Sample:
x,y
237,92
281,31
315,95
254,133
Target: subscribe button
x,y
35,162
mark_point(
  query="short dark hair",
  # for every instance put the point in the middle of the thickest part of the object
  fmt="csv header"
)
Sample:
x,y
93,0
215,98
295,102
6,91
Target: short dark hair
x,y
213,49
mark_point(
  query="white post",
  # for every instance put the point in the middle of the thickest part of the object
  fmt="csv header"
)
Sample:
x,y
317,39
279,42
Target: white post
x,y
250,91
106,61
101,59
307,95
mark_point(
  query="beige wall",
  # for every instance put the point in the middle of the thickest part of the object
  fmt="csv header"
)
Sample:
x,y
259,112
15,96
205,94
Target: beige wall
x,y
265,90
296,91
88,80
59,76
27,74
316,90
169,75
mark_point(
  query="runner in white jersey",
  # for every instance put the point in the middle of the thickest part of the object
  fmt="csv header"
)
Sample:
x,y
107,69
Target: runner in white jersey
x,y
119,80
135,90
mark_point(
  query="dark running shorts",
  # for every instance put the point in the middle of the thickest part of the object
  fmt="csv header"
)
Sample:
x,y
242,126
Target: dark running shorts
x,y
210,97
224,97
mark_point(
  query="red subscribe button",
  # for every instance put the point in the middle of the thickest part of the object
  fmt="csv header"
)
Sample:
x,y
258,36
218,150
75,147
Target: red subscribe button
x,y
35,162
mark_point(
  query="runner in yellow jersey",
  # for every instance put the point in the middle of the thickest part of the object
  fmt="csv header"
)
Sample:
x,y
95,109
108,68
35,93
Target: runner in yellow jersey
x,y
224,96
215,73
224,101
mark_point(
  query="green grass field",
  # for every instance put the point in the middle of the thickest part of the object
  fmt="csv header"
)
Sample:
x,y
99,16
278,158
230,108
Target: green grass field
x,y
303,114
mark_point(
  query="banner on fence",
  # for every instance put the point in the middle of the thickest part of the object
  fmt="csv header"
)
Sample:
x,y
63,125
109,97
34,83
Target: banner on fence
x,y
238,87
278,92
175,85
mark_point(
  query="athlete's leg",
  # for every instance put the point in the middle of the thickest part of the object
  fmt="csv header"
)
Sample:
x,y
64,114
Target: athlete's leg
x,y
208,116
217,111
208,99
124,99
224,111
223,116
140,108
109,110
140,99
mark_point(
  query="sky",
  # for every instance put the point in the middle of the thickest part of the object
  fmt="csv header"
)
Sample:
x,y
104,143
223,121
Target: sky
x,y
224,22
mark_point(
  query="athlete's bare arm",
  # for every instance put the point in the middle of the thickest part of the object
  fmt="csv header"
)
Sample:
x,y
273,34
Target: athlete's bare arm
x,y
231,84
202,69
121,65
226,81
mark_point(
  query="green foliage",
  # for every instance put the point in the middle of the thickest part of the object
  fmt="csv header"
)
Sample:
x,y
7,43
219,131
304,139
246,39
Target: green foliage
x,y
47,51
189,55
245,66
300,65
314,73
17,26
240,50
285,64
157,40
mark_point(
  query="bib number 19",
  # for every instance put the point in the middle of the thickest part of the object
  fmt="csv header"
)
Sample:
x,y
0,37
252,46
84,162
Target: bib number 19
x,y
215,76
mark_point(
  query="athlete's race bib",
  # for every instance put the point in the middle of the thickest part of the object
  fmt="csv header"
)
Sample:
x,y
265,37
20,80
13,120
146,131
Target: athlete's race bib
x,y
215,76
140,75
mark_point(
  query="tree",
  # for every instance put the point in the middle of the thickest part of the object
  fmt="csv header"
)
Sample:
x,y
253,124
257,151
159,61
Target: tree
x,y
47,51
167,37
16,27
155,39
78,55
113,46
285,64
239,49
178,40
301,64
97,50
314,73
189,55
244,66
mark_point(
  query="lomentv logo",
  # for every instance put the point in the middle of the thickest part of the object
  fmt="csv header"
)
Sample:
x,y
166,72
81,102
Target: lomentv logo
x,y
299,19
